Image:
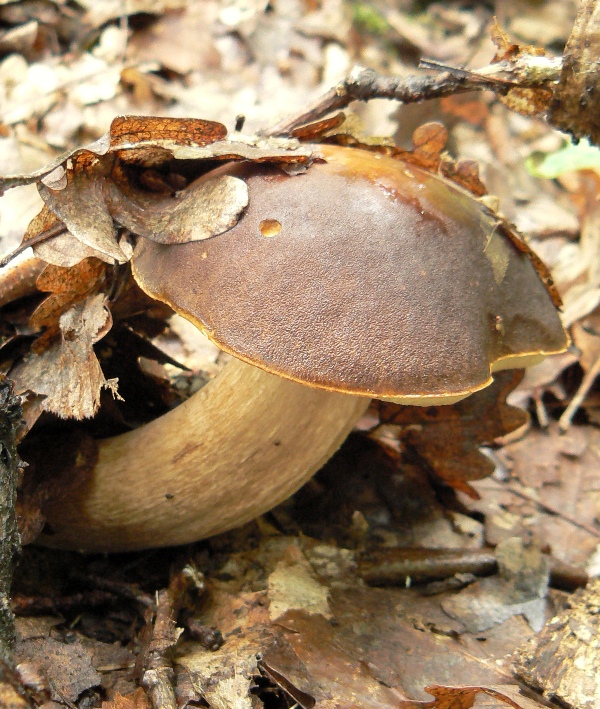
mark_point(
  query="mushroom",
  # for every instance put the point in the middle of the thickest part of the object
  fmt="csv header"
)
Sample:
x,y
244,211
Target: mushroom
x,y
365,277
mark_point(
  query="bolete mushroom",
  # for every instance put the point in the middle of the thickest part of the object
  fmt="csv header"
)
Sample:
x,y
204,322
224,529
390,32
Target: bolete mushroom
x,y
363,277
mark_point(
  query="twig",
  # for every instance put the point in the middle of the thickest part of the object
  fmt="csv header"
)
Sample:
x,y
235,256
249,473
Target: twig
x,y
44,605
364,84
157,675
56,230
564,422
128,591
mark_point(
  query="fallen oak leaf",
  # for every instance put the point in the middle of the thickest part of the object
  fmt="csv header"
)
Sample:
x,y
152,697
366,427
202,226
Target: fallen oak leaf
x,y
150,141
96,197
448,438
52,242
134,700
128,133
66,286
464,697
81,205
208,207
68,373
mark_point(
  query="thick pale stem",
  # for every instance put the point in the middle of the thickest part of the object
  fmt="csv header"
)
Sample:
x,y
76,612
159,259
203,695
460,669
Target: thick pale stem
x,y
237,448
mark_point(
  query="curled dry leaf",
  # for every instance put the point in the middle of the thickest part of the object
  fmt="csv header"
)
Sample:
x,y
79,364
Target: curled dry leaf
x,y
69,664
206,208
68,373
88,192
81,205
149,141
448,438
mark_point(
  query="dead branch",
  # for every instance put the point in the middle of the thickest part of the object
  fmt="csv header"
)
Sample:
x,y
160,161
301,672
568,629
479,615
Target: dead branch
x,y
364,84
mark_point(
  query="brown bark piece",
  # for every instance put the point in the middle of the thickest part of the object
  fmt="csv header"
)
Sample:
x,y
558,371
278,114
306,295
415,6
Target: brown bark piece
x,y
563,661
576,104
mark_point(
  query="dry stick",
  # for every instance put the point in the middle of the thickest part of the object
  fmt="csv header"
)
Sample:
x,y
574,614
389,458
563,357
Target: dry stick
x,y
364,84
564,422
157,675
56,230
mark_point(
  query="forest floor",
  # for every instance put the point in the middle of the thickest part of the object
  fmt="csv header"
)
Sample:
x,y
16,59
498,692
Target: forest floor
x,y
371,583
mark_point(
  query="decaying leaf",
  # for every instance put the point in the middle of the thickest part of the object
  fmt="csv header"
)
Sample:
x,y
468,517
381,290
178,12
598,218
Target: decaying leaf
x,y
69,664
206,208
224,677
293,586
448,438
149,141
68,373
81,206
318,672
67,286
519,589
52,242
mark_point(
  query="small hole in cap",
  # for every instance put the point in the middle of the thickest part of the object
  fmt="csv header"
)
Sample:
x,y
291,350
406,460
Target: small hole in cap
x,y
269,227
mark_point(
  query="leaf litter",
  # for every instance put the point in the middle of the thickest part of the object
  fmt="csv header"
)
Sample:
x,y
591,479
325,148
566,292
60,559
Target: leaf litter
x,y
384,644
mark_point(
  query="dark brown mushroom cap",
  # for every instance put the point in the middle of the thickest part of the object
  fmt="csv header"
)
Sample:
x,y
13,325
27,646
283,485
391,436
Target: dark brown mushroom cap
x,y
364,275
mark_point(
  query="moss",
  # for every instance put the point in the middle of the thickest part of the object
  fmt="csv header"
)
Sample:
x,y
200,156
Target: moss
x,y
368,19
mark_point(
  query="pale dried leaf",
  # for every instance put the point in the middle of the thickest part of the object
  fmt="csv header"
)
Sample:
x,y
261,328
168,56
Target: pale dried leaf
x,y
242,147
81,206
224,677
293,586
206,208
68,373
67,250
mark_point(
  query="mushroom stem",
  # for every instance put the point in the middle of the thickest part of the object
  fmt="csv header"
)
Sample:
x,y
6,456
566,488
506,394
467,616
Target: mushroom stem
x,y
238,447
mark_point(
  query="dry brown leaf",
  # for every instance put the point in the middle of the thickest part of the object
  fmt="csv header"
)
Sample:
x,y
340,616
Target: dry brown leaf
x,y
448,438
68,373
67,286
317,672
465,173
464,697
135,700
51,241
81,206
151,141
69,664
67,250
206,208
428,142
